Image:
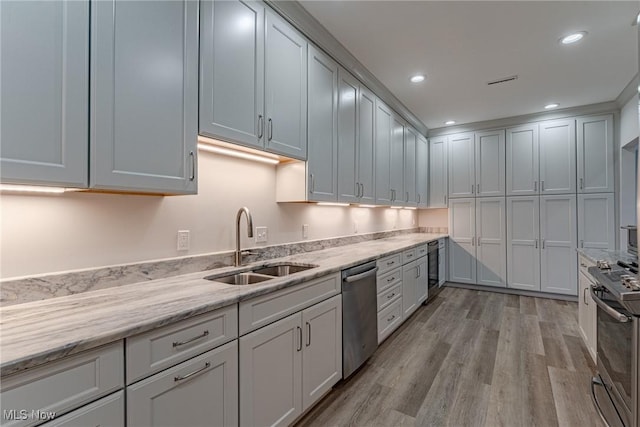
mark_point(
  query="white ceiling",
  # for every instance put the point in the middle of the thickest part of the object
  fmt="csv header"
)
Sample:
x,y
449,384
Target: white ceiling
x,y
461,46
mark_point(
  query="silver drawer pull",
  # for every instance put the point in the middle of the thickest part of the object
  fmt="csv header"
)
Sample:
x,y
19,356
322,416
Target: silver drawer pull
x,y
582,264
391,318
194,373
391,279
391,262
179,343
391,296
409,255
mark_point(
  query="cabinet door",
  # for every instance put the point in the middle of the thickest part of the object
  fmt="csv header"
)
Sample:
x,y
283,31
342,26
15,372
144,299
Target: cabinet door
x,y
422,282
595,154
596,221
396,160
45,92
232,71
271,374
558,232
200,391
522,160
285,76
348,184
409,289
490,163
442,265
587,315
410,141
558,157
322,355
462,178
523,251
144,95
491,239
462,240
383,153
108,411
438,175
323,129
366,162
422,172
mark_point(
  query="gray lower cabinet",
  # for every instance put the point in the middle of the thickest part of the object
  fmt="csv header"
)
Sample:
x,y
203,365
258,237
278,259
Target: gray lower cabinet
x,y
232,71
45,75
322,166
288,365
462,240
523,243
558,234
442,261
200,391
108,412
596,221
285,57
587,310
438,175
422,280
144,95
409,288
422,172
491,239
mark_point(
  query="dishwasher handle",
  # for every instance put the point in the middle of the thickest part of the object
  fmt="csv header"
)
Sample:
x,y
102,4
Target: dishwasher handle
x,y
356,277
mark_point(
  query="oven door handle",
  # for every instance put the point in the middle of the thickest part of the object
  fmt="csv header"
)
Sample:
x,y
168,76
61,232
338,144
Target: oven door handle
x,y
620,317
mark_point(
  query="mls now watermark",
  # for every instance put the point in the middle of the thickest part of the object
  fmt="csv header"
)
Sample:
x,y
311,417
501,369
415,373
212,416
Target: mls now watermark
x,y
26,414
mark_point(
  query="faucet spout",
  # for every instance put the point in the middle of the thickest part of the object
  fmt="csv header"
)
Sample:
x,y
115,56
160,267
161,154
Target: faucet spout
x,y
238,253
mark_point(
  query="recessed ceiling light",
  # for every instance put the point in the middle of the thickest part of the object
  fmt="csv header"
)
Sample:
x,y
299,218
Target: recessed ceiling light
x,y
417,78
550,106
450,122
573,38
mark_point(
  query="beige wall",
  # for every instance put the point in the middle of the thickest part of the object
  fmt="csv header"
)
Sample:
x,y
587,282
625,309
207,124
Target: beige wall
x,y
46,234
434,218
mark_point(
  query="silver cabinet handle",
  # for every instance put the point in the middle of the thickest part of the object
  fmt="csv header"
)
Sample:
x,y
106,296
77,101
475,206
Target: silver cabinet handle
x,y
199,337
389,319
535,185
308,334
582,243
581,183
536,243
582,264
471,188
299,338
192,374
391,296
543,240
479,241
361,190
357,188
391,279
417,272
260,126
478,188
192,157
407,201
409,255
313,183
419,198
270,129
584,296
541,185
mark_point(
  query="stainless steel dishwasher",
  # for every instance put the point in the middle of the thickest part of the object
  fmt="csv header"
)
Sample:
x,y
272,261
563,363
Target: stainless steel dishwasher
x,y
359,316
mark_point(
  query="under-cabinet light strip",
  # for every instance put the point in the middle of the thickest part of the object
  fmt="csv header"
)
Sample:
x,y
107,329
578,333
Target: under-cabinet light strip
x,y
10,188
238,154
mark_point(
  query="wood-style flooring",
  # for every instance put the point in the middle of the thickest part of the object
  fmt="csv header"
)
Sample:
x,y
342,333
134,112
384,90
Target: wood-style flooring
x,y
472,358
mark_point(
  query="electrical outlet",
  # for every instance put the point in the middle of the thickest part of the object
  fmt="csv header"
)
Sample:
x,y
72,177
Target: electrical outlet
x,y
305,231
183,240
262,234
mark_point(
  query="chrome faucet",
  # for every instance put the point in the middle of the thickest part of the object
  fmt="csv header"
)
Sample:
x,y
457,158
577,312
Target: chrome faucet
x,y
238,254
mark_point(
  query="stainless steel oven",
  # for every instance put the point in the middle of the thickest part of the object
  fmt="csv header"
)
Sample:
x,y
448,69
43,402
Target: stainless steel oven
x,y
618,340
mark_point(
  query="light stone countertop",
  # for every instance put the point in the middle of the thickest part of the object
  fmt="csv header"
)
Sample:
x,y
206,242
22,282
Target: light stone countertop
x,y
611,257
38,332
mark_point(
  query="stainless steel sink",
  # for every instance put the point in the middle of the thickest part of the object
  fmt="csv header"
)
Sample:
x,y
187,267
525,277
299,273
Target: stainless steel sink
x,y
280,270
240,278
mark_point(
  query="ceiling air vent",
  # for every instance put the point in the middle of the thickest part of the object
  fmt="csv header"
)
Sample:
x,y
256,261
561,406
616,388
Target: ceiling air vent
x,y
503,80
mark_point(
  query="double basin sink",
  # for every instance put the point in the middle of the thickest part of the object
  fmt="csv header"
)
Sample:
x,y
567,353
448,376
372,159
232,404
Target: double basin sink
x,y
260,274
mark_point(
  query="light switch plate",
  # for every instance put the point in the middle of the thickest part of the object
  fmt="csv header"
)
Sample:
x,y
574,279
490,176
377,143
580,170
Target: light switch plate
x,y
262,234
305,231
183,240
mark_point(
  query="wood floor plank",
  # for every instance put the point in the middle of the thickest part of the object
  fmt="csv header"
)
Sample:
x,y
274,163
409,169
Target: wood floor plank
x,y
571,398
477,307
531,334
580,356
538,408
512,301
528,305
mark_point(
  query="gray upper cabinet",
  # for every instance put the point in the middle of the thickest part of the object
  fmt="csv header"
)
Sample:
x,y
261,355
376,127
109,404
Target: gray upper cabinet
x,y
595,154
366,135
323,137
232,71
285,88
383,153
558,157
45,74
490,163
522,160
422,172
596,221
438,176
461,165
144,95
396,162
348,184
410,141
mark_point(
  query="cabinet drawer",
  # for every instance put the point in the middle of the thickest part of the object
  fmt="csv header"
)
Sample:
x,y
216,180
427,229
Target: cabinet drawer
x,y
261,311
584,264
388,263
408,256
389,279
421,251
389,319
62,385
108,411
387,297
164,347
